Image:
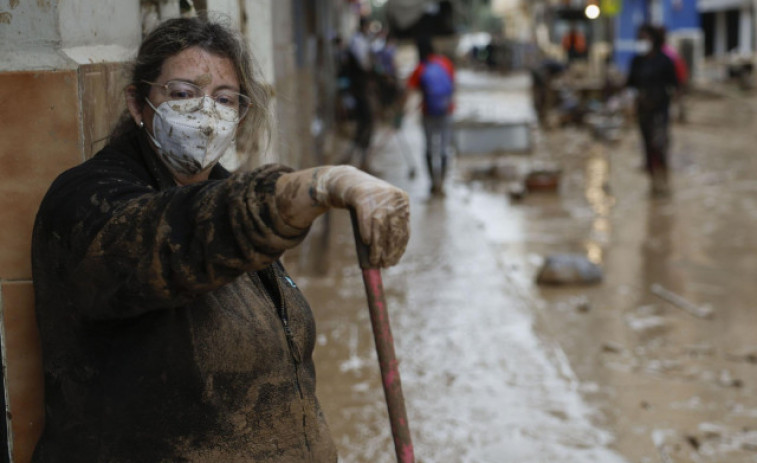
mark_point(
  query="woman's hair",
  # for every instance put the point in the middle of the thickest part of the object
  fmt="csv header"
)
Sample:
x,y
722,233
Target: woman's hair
x,y
176,35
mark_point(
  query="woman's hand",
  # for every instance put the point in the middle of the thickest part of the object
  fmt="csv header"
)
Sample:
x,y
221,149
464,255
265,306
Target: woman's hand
x,y
383,210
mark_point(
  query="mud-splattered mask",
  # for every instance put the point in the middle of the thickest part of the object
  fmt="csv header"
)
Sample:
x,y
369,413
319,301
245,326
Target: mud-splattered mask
x,y
190,140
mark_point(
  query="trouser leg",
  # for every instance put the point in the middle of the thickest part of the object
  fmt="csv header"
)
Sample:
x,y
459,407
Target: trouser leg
x,y
655,132
445,140
429,135
437,139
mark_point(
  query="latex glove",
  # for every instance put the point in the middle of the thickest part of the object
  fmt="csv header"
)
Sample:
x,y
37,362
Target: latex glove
x,y
383,210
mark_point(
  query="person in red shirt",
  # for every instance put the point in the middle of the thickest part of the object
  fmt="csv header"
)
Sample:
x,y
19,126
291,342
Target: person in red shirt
x,y
435,78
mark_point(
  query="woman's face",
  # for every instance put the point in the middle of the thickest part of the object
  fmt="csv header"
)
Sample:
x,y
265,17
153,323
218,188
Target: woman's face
x,y
206,70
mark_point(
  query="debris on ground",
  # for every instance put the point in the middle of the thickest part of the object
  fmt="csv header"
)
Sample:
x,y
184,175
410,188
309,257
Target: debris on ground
x,y
700,350
726,379
569,269
612,347
605,127
666,441
718,439
517,191
648,326
493,171
543,179
704,311
747,355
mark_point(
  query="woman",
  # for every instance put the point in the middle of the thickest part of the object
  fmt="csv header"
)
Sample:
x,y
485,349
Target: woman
x,y
170,331
653,76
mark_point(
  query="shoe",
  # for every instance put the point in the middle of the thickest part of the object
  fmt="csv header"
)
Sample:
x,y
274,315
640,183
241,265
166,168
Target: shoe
x,y
660,187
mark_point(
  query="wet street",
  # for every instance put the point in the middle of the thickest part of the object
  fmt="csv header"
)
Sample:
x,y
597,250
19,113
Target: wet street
x,y
496,368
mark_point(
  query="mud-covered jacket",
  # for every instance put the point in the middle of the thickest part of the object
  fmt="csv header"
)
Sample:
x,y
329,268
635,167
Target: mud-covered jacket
x,y
170,331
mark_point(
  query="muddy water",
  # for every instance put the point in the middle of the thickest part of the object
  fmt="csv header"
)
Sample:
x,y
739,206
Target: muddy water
x,y
496,368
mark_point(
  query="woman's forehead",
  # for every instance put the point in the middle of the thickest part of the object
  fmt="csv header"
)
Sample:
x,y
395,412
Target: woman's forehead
x,y
201,67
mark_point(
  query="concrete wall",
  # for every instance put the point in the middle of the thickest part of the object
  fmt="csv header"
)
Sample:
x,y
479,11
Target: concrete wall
x,y
289,142
259,30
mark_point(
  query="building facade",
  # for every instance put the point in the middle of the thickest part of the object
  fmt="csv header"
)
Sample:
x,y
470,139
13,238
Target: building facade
x,y
728,29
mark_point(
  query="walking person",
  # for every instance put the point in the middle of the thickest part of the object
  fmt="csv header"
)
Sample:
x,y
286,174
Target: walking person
x,y
170,330
360,69
653,76
435,78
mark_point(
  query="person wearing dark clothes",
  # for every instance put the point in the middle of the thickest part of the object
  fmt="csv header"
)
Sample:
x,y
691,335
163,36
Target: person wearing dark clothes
x,y
653,76
170,330
360,68
542,76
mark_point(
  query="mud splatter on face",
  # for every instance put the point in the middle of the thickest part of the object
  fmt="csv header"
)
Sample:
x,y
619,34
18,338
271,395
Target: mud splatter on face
x,y
203,80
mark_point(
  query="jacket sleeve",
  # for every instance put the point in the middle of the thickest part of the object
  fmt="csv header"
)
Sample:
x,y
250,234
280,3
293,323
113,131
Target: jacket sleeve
x,y
125,248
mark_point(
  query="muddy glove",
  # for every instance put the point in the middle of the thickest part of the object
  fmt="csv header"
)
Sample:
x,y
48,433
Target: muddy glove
x,y
382,210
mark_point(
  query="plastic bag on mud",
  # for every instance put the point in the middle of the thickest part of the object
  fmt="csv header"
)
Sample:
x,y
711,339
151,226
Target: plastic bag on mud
x,y
569,269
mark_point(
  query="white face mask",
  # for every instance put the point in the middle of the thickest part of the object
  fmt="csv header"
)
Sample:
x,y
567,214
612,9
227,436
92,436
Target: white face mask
x,y
189,142
643,47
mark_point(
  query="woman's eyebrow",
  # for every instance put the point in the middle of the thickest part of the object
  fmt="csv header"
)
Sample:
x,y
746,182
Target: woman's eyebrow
x,y
228,87
202,82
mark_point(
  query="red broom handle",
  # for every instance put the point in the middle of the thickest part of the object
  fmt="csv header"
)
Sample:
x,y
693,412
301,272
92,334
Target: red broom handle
x,y
382,334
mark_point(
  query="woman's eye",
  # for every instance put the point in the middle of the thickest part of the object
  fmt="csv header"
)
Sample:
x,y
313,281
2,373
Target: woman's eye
x,y
181,94
226,100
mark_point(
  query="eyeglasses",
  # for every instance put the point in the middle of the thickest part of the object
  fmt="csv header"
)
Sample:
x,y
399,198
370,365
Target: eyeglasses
x,y
178,90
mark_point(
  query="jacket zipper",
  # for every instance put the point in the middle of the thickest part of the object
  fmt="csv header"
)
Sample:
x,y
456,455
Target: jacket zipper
x,y
293,351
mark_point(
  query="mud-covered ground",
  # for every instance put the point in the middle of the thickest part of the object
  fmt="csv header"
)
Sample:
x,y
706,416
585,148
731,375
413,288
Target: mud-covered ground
x,y
496,368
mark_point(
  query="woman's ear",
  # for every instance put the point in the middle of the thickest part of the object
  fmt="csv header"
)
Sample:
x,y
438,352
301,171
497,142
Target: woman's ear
x,y
133,104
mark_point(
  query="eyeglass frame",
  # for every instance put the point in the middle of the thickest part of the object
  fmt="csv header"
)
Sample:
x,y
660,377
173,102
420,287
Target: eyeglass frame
x,y
245,106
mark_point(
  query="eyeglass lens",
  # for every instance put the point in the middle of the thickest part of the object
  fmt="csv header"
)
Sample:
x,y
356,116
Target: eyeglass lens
x,y
178,90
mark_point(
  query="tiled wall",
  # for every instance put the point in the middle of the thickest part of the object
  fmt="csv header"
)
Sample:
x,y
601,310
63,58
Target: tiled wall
x,y
40,136
102,102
